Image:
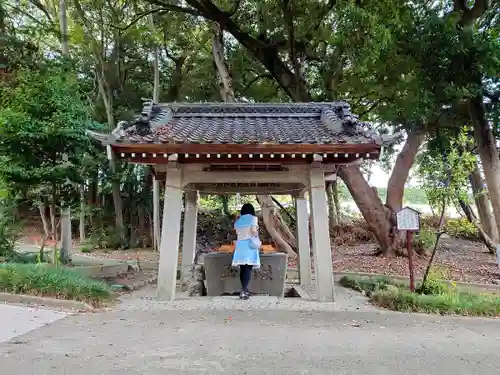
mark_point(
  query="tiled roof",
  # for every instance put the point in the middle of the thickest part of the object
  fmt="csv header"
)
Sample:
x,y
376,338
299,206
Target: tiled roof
x,y
243,123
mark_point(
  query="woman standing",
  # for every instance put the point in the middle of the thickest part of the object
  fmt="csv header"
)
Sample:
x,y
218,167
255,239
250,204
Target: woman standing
x,y
246,252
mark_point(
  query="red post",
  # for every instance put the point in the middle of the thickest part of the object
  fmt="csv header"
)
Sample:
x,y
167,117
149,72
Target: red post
x,y
409,235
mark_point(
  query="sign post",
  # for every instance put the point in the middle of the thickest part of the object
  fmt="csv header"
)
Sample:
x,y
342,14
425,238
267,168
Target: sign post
x,y
408,220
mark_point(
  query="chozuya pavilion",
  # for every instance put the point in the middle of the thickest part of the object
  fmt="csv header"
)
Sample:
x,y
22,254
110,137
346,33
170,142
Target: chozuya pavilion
x,y
248,148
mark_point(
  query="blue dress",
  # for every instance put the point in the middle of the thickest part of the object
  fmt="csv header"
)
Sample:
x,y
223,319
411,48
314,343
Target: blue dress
x,y
244,253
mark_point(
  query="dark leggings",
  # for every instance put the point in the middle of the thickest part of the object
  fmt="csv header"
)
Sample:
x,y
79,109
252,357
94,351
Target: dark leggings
x,y
245,276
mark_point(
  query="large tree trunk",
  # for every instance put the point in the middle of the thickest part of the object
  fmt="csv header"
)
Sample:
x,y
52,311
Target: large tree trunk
x,y
225,205
43,216
141,213
486,217
115,182
272,221
3,41
82,213
486,146
52,212
466,208
226,87
332,208
381,218
156,65
66,242
401,170
265,51
378,217
336,201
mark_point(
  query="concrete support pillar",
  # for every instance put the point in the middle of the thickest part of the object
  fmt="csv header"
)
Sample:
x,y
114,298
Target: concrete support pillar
x,y
189,233
156,214
302,217
320,234
170,232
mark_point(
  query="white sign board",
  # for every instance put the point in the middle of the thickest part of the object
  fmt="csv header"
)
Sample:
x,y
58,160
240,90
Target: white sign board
x,y
408,219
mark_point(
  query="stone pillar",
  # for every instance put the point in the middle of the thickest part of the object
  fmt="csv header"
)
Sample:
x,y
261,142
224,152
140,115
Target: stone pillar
x,y
302,217
170,231
156,214
189,233
321,235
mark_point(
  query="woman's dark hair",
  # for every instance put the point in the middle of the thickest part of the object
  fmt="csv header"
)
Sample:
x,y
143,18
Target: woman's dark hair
x,y
247,209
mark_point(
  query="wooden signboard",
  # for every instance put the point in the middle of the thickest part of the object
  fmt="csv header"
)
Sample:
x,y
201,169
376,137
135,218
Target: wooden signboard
x,y
408,219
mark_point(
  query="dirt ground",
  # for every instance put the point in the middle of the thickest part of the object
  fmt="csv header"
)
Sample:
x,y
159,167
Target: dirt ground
x,y
466,261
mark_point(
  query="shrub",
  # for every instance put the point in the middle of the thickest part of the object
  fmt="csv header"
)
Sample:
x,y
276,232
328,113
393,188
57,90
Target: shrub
x,y
103,238
437,282
462,228
86,249
424,241
351,234
429,221
444,304
43,280
441,297
366,285
8,229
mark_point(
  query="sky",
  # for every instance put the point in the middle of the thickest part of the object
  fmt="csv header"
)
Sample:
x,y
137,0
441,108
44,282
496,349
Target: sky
x,y
379,178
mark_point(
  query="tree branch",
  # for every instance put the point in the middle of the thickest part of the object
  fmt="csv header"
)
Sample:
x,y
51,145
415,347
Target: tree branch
x,y
254,80
260,48
234,8
469,15
370,108
493,96
139,17
288,20
40,6
175,8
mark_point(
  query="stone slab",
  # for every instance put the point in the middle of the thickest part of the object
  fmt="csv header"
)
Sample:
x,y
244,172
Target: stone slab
x,y
102,270
18,320
221,278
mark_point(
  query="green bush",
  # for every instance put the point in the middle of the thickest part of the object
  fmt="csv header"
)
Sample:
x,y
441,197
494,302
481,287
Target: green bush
x,y
103,238
8,229
440,297
437,282
424,241
86,249
444,304
461,228
366,285
43,280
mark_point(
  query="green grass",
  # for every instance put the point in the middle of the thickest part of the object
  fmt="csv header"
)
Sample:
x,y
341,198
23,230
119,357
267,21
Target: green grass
x,y
447,300
43,280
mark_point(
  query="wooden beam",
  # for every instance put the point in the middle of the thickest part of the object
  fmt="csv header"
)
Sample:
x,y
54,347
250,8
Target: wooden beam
x,y
149,159
296,176
207,148
284,189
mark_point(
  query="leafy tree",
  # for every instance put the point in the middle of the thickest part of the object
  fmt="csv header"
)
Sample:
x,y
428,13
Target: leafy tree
x,y
444,168
43,117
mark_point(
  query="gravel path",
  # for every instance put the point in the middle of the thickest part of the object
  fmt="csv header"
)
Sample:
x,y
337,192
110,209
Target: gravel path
x,y
148,338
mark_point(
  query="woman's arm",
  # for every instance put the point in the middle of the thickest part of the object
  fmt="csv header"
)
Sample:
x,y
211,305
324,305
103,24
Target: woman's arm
x,y
254,229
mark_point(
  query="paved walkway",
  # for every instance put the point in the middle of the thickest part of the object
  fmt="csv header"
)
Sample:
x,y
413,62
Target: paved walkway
x,y
261,336
18,320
